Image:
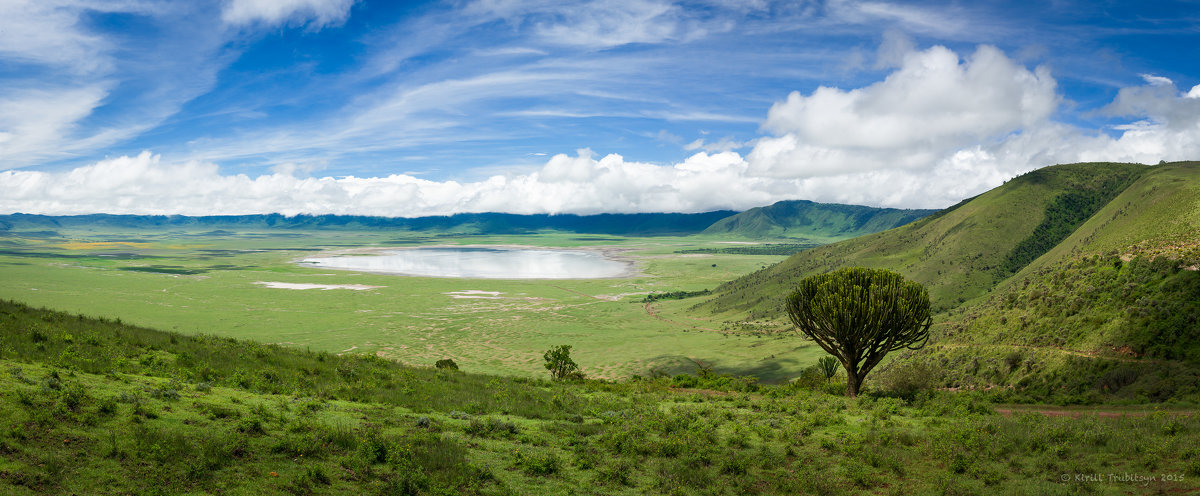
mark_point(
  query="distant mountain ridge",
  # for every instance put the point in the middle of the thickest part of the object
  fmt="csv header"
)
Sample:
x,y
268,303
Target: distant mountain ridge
x,y
642,224
807,219
816,222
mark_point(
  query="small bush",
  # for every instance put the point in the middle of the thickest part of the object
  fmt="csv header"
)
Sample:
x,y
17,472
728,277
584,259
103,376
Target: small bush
x,y
810,378
907,379
537,464
445,363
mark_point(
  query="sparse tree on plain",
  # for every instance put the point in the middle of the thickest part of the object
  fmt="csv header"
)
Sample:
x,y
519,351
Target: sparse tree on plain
x,y
858,315
559,363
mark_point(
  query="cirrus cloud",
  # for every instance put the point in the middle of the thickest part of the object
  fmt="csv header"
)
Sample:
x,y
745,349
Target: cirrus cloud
x,y
313,13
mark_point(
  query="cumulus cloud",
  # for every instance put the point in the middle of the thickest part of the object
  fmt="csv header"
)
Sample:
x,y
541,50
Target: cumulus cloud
x,y
933,104
313,13
939,129
145,184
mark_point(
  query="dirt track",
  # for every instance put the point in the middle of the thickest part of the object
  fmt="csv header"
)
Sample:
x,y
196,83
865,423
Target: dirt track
x,y
1079,413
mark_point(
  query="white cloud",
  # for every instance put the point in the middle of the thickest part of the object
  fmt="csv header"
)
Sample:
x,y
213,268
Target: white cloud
x,y
33,120
313,13
722,145
47,32
578,184
600,23
936,130
933,105
1157,80
939,129
58,102
941,22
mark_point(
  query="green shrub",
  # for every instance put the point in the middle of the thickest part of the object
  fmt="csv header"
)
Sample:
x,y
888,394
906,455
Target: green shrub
x,y
908,378
537,463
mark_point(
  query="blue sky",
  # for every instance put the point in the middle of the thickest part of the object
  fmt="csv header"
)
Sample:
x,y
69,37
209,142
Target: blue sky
x,y
420,108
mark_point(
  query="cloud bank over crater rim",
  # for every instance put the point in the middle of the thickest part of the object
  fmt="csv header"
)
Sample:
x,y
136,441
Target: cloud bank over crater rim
x,y
937,129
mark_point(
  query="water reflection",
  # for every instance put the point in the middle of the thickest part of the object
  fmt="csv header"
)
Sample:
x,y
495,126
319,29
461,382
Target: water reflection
x,y
481,263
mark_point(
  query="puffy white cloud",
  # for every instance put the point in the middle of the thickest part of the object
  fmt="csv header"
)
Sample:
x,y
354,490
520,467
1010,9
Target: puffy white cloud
x,y
939,129
577,184
313,13
932,105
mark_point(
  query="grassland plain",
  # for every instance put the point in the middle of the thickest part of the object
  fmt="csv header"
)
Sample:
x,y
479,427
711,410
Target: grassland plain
x,y
93,406
209,282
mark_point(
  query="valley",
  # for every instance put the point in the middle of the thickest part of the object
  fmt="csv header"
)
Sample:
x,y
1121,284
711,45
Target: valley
x,y
1062,354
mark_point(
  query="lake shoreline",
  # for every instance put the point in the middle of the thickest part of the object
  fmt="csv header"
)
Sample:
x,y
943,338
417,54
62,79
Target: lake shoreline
x,y
631,265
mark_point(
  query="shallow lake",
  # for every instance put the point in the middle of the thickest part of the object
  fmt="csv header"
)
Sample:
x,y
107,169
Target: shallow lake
x,y
481,263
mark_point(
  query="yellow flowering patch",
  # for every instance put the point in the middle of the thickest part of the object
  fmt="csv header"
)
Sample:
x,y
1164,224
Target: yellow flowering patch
x,y
84,245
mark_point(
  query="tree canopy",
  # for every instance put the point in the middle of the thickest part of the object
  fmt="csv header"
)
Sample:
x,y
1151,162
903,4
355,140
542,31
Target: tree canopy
x,y
859,315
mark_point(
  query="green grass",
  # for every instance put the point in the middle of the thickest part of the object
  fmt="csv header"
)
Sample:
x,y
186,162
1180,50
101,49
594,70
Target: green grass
x,y
1095,329
205,283
95,407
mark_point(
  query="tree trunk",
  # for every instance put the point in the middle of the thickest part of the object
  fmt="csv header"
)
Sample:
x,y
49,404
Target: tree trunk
x,y
852,382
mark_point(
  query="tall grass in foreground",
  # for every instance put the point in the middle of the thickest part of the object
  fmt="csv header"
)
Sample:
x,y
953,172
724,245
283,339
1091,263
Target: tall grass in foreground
x,y
93,407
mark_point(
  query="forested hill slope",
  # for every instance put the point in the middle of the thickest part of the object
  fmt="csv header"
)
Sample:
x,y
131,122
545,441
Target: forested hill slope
x,y
958,253
815,221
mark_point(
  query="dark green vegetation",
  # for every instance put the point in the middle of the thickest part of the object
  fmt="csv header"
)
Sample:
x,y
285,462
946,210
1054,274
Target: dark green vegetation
x,y
97,407
1071,284
763,249
859,315
675,295
809,220
1063,215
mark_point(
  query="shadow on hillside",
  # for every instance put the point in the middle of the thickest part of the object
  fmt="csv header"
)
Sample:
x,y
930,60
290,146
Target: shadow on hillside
x,y
768,371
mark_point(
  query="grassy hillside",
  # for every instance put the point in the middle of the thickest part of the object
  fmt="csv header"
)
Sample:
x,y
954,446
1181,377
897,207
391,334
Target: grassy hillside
x,y
1089,330
1071,284
1113,309
98,407
813,221
959,253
